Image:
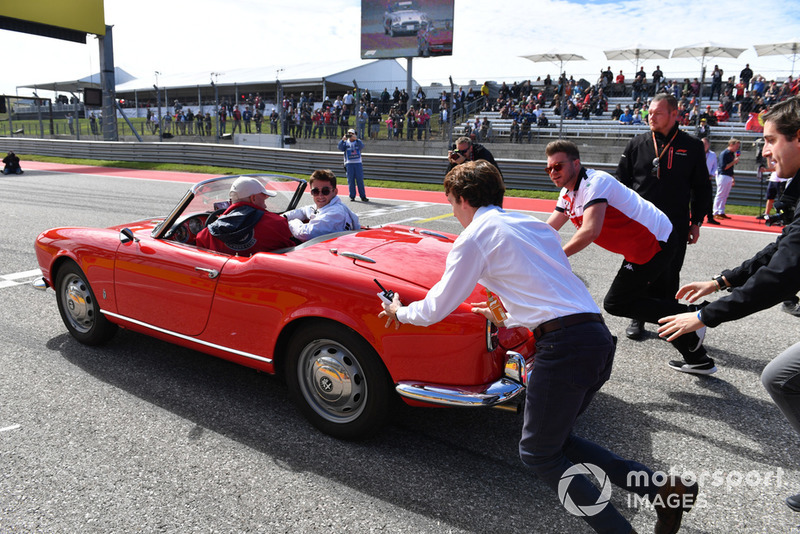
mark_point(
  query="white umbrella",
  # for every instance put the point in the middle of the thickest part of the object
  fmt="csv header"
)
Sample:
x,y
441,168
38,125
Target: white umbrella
x,y
701,52
789,49
636,53
559,58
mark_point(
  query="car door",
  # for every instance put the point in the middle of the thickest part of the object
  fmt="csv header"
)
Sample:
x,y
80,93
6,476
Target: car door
x,y
166,284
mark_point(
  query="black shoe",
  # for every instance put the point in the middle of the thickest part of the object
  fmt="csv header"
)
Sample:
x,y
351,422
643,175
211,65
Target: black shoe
x,y
352,199
672,501
791,307
713,221
706,367
635,329
793,502
364,199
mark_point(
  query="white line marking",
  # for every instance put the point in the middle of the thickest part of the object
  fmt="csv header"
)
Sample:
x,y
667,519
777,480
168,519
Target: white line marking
x,y
12,427
24,274
18,279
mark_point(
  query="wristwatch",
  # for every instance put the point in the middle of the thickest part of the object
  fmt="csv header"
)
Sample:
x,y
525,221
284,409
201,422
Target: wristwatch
x,y
721,283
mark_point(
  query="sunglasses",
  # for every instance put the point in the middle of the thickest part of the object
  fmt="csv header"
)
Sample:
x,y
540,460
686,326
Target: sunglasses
x,y
554,167
324,191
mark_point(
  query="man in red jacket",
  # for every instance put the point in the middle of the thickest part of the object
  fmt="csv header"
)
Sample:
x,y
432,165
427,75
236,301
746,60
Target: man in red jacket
x,y
246,227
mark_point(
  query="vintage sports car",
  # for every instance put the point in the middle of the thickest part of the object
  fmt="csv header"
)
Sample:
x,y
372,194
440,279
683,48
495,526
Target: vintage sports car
x,y
403,17
308,313
435,39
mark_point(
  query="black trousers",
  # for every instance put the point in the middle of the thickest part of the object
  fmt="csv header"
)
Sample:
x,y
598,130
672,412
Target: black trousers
x,y
647,292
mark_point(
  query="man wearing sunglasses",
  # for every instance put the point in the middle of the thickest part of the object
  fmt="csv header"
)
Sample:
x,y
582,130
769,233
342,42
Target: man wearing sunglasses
x,y
327,215
619,220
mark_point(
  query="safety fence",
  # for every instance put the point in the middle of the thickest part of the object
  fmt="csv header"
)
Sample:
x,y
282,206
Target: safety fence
x,y
518,173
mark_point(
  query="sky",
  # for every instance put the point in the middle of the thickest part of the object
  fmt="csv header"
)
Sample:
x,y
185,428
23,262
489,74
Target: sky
x,y
186,36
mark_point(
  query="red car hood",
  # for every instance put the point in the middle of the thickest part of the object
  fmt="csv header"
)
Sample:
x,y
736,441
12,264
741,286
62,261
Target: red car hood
x,y
414,255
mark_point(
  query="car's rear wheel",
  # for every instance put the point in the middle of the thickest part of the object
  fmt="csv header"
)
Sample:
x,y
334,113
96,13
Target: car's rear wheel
x,y
337,380
79,308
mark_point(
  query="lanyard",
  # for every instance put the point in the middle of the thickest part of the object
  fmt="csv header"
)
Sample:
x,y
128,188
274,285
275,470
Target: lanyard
x,y
657,159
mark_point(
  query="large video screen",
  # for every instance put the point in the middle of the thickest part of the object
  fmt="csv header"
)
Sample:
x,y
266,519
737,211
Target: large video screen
x,y
79,15
406,28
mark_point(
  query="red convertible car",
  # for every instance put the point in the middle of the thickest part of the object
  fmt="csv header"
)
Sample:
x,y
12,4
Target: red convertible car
x,y
309,313
435,39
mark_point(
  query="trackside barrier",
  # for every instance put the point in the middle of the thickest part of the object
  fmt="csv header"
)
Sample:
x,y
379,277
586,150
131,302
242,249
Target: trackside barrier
x,y
518,173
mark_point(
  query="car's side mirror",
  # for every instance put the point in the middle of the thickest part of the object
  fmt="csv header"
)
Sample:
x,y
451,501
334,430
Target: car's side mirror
x,y
126,236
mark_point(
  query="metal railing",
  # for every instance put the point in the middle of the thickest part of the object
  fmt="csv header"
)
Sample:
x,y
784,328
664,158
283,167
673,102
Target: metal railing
x,y
518,173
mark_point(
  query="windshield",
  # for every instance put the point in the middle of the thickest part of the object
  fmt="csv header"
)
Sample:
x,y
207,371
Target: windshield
x,y
211,195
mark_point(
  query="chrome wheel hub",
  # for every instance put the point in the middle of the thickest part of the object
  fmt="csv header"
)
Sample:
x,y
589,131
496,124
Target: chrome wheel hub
x,y
78,304
332,380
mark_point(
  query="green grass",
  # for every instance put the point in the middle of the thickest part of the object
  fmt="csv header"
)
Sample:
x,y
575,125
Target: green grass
x,y
206,169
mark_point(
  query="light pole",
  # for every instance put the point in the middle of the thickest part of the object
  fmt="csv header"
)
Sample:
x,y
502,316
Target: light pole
x,y
158,104
214,79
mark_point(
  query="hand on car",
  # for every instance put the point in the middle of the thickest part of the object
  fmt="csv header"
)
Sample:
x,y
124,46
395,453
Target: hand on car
x,y
390,311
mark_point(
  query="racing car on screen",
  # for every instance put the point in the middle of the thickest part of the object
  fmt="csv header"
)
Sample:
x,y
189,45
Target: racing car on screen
x,y
308,313
435,39
403,17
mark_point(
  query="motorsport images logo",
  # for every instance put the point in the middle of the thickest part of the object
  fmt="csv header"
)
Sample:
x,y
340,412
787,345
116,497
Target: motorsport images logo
x,y
589,509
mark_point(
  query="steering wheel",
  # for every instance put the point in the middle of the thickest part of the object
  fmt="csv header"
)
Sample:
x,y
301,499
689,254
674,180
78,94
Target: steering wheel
x,y
214,215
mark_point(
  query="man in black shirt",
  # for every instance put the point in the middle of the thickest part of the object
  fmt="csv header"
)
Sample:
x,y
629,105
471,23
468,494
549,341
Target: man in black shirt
x,y
465,150
746,75
766,279
668,167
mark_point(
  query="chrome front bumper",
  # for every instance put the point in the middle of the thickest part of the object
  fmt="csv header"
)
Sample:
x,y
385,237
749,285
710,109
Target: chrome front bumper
x,y
40,284
506,391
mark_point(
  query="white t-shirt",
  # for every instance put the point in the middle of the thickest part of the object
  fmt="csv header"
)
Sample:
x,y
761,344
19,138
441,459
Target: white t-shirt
x,y
516,257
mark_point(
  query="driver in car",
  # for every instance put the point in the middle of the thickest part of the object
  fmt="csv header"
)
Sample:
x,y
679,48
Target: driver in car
x,y
246,227
327,215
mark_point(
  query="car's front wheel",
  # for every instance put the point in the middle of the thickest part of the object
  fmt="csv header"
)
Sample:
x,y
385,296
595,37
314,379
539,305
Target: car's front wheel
x,y
337,380
79,308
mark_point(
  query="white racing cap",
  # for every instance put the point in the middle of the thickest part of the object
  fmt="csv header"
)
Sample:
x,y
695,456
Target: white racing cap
x,y
246,186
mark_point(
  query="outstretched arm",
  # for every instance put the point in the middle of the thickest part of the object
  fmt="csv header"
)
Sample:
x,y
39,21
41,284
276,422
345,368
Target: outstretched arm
x,y
592,225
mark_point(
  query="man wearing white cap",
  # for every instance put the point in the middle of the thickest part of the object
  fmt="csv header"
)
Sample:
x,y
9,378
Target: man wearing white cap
x,y
352,146
246,227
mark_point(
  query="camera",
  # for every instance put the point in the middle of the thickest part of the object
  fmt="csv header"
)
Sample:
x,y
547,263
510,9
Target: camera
x,y
784,215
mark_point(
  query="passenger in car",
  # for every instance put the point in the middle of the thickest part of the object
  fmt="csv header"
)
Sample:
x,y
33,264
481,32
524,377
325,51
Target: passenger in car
x,y
247,227
327,215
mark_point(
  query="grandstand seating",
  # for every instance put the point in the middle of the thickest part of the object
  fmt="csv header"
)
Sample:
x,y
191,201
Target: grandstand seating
x,y
597,127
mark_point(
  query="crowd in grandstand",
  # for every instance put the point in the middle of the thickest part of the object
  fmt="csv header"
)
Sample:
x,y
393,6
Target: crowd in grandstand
x,y
528,105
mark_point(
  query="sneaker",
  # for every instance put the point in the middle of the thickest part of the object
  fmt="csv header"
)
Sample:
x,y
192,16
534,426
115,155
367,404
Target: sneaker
x,y
635,329
791,307
364,199
352,199
704,368
793,502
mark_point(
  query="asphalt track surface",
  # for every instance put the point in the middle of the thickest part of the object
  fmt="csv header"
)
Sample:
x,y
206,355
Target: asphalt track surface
x,y
142,436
